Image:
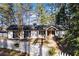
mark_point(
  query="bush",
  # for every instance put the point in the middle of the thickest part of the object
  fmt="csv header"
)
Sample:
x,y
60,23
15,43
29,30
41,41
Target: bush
x,y
16,44
76,53
52,51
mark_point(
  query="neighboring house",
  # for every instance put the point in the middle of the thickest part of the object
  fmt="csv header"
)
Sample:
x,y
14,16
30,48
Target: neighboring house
x,y
35,31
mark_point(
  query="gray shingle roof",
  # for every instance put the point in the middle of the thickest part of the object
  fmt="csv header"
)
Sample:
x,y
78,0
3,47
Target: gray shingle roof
x,y
36,27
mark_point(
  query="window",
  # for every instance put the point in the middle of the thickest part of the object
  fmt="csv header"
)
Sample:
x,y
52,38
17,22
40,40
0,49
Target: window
x,y
34,33
27,34
42,32
15,34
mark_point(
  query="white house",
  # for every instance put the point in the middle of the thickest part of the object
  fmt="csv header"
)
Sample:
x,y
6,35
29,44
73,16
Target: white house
x,y
29,31
3,34
34,31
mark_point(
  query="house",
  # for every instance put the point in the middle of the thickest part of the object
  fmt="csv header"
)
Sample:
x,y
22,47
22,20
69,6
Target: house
x,y
35,31
29,31
3,34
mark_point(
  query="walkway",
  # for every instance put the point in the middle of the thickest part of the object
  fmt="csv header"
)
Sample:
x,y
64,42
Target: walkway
x,y
53,44
47,44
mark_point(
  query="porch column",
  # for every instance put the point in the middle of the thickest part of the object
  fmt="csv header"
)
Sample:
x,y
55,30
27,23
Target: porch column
x,y
7,34
46,33
22,35
37,33
10,34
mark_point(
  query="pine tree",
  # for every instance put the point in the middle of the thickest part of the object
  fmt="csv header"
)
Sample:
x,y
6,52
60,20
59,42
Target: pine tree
x,y
69,15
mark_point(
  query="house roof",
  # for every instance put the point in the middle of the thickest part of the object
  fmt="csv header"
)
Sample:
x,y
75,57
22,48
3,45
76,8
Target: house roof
x,y
35,27
15,27
28,27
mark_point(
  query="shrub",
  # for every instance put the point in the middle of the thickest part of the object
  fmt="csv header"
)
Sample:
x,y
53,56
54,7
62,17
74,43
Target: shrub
x,y
76,53
16,44
52,51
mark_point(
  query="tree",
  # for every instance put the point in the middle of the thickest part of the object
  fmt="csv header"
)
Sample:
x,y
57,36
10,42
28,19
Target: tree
x,y
69,15
44,17
7,13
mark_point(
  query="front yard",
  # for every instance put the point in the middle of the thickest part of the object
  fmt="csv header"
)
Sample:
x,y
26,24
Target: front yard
x,y
8,52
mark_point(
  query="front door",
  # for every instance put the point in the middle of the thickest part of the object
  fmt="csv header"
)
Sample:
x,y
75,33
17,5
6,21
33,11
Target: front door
x,y
50,33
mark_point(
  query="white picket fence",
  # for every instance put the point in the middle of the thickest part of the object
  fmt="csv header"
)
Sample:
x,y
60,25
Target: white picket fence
x,y
34,49
63,54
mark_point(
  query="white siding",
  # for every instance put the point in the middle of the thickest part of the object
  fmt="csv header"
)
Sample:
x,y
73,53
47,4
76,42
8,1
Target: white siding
x,y
0,35
10,34
10,44
5,35
33,34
